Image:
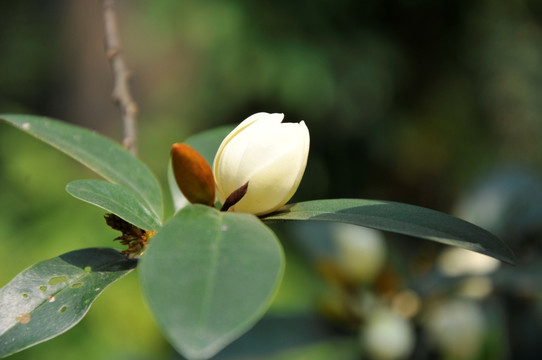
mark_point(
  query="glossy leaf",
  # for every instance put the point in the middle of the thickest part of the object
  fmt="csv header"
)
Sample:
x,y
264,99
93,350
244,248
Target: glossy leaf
x,y
399,218
179,201
344,349
114,199
208,142
208,276
279,333
100,154
50,297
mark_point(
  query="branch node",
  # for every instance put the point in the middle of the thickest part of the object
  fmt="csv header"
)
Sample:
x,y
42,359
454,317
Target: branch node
x,y
111,53
121,94
131,108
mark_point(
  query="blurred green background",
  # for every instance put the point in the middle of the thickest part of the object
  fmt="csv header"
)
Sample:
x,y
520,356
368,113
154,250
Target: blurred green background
x,y
433,103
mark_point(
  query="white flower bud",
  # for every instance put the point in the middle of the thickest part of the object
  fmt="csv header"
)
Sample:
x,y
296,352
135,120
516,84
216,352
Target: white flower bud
x,y
458,261
361,252
457,328
270,155
388,336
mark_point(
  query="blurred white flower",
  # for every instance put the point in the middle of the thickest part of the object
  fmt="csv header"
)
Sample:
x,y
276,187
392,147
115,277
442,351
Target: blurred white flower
x,y
457,328
476,287
361,252
458,262
387,335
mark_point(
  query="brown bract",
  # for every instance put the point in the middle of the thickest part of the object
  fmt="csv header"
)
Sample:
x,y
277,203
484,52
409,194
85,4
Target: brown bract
x,y
193,175
135,238
235,197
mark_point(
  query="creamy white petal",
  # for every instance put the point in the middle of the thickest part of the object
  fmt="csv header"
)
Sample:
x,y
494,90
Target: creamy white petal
x,y
267,153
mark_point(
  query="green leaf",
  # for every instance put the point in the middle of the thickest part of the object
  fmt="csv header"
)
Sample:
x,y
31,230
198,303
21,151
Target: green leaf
x,y
399,218
281,333
179,201
208,276
208,142
50,297
344,349
100,154
114,199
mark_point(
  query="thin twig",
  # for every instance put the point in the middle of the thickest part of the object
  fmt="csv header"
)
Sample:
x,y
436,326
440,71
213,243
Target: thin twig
x,y
121,91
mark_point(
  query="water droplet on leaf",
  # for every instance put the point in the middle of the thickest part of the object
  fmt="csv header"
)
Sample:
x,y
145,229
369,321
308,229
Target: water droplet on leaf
x,y
57,279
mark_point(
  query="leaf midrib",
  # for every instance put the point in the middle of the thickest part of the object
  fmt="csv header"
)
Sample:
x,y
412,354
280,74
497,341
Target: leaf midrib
x,y
211,279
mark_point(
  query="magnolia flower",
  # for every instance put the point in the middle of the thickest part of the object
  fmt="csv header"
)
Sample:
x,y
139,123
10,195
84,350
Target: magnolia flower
x,y
269,155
